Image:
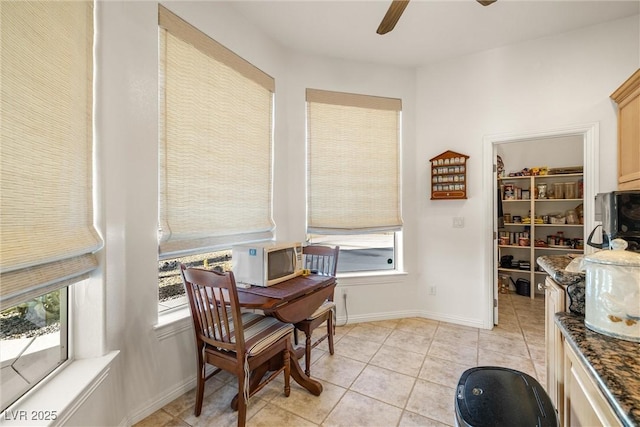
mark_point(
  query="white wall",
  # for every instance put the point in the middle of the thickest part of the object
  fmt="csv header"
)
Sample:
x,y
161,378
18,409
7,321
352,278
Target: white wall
x,y
534,85
158,364
369,298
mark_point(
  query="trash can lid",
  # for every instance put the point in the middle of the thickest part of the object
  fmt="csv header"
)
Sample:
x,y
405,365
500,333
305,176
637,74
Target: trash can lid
x,y
496,396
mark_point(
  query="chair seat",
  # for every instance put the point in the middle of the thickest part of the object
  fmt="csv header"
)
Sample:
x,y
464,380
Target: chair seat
x,y
262,331
259,331
326,306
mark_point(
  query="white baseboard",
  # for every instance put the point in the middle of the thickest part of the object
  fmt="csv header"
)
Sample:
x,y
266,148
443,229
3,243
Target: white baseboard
x,y
374,317
167,396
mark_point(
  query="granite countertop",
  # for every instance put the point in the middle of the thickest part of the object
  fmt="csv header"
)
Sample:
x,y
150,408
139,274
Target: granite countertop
x,y
614,365
554,266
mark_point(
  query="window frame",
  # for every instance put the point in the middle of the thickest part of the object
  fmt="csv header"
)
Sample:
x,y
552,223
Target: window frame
x,y
216,237
38,354
69,256
353,102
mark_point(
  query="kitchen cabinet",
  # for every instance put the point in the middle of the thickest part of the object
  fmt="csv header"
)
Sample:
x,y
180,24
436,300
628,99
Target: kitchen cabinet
x,y
541,217
601,376
555,302
584,403
627,97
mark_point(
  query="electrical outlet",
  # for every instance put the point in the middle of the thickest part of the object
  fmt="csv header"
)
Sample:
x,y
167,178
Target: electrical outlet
x,y
432,290
458,222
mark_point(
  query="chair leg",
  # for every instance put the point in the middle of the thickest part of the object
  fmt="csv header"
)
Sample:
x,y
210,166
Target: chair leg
x,y
287,373
242,403
307,354
295,336
200,389
330,331
334,314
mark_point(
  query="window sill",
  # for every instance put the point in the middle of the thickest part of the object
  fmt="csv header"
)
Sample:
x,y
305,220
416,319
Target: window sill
x,y
54,401
173,322
177,320
382,276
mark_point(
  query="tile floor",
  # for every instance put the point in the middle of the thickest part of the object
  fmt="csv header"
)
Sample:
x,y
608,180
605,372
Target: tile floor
x,y
399,372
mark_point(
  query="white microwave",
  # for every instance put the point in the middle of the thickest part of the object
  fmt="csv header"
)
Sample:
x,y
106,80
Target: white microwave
x,y
267,263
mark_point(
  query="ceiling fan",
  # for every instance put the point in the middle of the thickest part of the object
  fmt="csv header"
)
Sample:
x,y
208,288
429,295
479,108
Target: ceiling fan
x,y
395,11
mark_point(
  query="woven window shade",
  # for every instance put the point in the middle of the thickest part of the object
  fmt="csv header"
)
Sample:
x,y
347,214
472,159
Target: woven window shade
x,y
215,144
353,163
47,237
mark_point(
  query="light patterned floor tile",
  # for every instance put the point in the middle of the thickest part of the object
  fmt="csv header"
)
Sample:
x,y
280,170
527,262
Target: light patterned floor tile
x,y
456,334
356,348
398,360
370,332
418,326
397,373
501,344
443,372
388,323
385,385
354,409
271,415
433,401
157,419
410,419
338,370
404,340
308,406
460,352
217,411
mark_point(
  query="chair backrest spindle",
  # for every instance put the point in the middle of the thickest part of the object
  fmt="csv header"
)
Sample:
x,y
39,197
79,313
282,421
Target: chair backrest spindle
x,y
214,305
323,259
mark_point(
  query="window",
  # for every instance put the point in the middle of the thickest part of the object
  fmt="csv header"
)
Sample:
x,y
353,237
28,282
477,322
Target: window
x,y
353,177
361,252
215,148
171,293
34,342
48,238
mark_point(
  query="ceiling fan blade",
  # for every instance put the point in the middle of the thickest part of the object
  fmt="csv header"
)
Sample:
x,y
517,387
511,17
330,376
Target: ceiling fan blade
x,y
391,17
486,2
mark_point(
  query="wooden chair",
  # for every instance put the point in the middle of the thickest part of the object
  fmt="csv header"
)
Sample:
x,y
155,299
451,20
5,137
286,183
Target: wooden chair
x,y
230,340
321,260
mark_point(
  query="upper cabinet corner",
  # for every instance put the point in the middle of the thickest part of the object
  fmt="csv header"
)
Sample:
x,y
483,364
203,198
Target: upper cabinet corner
x,y
627,97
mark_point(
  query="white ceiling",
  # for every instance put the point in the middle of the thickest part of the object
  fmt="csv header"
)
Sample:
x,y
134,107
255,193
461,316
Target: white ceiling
x,y
428,31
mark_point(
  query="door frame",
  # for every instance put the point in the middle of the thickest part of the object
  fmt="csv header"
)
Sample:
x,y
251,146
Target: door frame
x,y
590,133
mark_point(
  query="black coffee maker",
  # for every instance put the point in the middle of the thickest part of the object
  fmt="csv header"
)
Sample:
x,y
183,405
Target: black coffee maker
x,y
619,212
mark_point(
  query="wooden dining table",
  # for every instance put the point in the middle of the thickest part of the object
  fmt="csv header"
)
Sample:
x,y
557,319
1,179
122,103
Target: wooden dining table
x,y
290,301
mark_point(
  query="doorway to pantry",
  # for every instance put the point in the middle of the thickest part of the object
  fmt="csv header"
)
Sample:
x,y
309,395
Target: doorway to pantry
x,y
574,146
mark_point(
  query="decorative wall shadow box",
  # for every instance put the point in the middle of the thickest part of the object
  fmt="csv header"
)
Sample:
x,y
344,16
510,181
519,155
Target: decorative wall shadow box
x,y
449,176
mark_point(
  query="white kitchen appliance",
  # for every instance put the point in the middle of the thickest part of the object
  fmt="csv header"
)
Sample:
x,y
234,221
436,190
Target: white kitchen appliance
x,y
612,298
266,263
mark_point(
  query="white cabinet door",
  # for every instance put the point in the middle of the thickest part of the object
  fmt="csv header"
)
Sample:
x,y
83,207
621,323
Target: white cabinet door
x,y
555,300
584,404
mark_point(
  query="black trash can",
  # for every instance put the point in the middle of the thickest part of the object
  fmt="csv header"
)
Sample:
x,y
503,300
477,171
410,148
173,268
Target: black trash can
x,y
523,287
495,396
